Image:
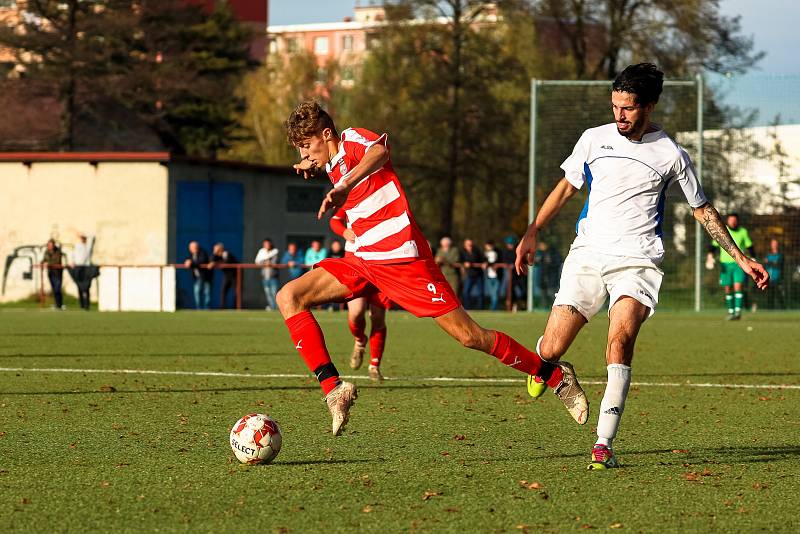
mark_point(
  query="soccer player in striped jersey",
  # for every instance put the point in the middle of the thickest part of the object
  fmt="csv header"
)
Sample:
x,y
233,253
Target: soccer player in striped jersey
x,y
627,167
376,303
392,257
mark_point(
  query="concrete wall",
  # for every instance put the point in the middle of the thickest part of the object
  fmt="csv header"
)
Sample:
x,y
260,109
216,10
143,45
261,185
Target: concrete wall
x,y
124,204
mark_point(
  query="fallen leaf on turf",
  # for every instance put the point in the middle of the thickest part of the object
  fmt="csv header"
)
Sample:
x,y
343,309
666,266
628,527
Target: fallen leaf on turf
x,y
459,437
706,472
73,445
764,398
108,388
760,486
25,500
691,476
586,526
2,434
683,451
367,509
444,453
535,485
428,494
105,484
452,510
615,525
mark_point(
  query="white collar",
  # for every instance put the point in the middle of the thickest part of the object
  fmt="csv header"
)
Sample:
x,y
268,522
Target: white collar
x,y
339,155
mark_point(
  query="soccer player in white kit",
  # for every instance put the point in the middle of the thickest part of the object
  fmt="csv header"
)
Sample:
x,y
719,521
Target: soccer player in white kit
x,y
626,167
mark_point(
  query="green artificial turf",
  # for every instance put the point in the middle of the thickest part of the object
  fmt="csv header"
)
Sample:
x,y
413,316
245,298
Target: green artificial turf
x,y
149,452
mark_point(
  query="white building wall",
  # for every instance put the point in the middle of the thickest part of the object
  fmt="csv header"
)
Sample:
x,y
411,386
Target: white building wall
x,y
123,204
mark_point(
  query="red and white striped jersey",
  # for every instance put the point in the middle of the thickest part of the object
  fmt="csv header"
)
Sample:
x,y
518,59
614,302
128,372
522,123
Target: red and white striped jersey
x,y
376,208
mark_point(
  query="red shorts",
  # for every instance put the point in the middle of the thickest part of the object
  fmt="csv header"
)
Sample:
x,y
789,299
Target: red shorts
x,y
379,300
417,286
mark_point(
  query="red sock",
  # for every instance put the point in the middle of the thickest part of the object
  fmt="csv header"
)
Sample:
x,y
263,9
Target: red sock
x,y
310,343
512,354
358,329
377,340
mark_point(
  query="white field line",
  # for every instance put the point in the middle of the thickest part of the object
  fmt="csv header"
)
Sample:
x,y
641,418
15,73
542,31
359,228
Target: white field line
x,y
465,380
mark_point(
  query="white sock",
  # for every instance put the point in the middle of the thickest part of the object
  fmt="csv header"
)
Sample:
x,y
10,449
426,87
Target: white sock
x,y
613,404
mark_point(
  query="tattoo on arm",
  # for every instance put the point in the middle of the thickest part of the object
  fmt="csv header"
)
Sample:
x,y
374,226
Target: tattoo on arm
x,y
712,222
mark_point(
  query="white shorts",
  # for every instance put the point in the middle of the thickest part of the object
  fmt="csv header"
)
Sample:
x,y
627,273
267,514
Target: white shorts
x,y
589,277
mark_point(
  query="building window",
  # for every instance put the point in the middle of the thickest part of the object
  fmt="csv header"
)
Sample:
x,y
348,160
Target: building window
x,y
347,42
320,45
291,45
304,199
273,46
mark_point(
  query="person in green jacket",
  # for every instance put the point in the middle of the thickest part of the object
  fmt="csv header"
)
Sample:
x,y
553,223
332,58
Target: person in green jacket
x,y
731,276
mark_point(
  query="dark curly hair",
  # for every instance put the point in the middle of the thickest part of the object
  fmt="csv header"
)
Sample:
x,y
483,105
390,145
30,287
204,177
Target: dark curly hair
x,y
307,119
643,80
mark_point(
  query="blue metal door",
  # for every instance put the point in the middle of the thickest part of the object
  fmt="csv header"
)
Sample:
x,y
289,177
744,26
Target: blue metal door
x,y
209,213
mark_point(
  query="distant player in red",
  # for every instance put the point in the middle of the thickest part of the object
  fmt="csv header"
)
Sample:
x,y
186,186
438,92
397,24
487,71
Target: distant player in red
x,y
392,257
376,303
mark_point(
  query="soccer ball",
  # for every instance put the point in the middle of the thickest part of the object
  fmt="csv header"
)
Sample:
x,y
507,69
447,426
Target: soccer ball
x,y
256,439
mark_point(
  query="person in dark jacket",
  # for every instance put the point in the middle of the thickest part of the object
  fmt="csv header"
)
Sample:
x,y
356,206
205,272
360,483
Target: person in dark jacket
x,y
472,262
221,255
54,260
198,263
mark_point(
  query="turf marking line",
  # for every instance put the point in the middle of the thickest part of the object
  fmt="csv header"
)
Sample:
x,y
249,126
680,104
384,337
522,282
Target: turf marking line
x,y
397,378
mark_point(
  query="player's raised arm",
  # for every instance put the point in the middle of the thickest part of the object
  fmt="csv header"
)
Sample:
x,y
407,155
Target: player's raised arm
x,y
709,217
526,249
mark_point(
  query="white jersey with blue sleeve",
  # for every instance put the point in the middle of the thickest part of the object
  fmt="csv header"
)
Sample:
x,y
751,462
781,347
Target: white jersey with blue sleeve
x,y
627,184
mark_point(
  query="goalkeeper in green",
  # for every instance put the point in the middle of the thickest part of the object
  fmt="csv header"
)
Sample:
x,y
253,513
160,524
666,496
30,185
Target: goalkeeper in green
x,y
731,276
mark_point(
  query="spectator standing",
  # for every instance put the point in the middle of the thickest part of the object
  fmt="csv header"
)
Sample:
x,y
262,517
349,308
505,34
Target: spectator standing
x,y
509,256
472,262
268,256
220,254
202,275
82,270
492,287
774,265
293,258
315,253
336,250
447,258
54,260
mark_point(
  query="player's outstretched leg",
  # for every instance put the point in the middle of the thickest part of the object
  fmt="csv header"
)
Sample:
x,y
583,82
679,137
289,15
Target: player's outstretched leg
x,y
294,300
563,325
357,321
377,342
560,375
